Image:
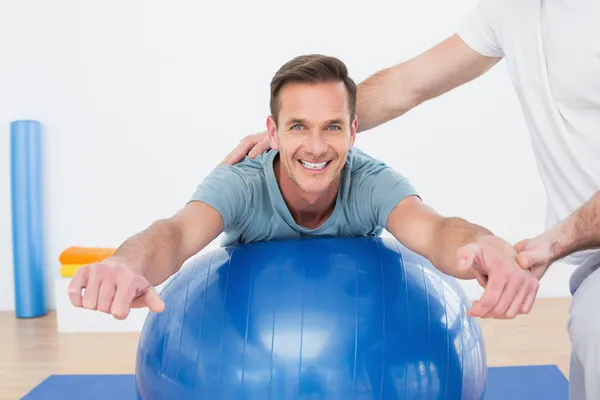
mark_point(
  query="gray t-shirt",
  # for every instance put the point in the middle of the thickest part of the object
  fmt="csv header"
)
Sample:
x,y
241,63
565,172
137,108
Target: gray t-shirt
x,y
249,200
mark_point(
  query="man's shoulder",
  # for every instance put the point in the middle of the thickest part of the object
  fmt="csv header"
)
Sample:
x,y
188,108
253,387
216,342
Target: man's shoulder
x,y
255,165
358,158
366,171
361,163
237,191
373,190
245,178
248,168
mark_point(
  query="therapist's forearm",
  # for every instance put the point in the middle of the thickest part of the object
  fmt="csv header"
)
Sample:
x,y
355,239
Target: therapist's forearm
x,y
394,91
579,231
383,96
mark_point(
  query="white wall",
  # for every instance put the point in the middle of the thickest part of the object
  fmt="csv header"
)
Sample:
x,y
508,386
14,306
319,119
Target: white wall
x,y
131,92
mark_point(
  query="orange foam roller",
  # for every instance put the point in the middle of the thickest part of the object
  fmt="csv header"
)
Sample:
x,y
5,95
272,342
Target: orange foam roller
x,y
85,255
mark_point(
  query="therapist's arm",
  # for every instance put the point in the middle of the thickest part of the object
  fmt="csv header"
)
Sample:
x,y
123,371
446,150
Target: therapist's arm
x,y
393,91
579,231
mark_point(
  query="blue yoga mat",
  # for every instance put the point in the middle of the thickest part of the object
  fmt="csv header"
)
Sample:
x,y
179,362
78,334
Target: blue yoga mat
x,y
27,218
504,383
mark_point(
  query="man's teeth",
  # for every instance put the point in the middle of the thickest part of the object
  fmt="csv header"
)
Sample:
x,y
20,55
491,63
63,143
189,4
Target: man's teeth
x,y
310,165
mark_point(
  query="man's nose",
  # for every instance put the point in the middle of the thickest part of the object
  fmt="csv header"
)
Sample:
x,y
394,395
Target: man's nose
x,y
316,145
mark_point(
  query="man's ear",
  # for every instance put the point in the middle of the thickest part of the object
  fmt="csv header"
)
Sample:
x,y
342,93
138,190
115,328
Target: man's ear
x,y
272,130
353,130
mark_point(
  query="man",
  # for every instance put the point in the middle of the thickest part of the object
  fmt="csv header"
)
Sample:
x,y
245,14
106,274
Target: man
x,y
313,183
552,50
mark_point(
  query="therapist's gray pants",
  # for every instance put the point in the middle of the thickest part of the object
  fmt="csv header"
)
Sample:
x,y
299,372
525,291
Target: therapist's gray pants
x,y
584,331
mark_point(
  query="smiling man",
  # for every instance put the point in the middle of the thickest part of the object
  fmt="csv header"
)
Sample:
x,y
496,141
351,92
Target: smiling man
x,y
313,182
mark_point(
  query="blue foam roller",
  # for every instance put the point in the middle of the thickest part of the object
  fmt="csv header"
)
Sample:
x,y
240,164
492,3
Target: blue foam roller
x,y
325,318
27,218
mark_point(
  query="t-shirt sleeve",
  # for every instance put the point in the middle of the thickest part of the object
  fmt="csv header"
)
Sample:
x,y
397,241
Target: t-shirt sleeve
x,y
230,191
480,29
379,189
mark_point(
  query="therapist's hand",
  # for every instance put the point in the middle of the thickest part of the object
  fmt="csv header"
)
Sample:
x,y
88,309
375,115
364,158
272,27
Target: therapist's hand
x,y
535,254
251,146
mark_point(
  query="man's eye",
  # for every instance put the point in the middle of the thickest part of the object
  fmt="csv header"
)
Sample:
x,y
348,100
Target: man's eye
x,y
334,127
296,127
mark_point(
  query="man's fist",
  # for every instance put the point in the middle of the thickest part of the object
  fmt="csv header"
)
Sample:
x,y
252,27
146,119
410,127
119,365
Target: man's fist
x,y
113,288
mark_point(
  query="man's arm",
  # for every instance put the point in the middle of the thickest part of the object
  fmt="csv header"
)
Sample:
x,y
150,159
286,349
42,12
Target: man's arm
x,y
580,231
128,278
159,251
437,238
393,91
465,250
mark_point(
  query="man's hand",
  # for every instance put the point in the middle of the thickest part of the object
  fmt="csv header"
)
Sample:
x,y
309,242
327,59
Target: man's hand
x,y
113,288
535,254
509,290
251,146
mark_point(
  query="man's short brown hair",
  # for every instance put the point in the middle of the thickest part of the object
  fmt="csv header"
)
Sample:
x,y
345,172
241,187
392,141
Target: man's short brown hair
x,y
312,68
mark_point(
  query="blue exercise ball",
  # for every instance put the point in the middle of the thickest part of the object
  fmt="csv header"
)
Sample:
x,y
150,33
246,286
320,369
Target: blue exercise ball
x,y
321,318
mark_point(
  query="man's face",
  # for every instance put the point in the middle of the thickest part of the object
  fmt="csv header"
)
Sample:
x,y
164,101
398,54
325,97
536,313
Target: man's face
x,y
314,133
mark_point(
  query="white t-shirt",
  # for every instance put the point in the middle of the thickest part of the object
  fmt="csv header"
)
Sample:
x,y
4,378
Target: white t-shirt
x,y
552,50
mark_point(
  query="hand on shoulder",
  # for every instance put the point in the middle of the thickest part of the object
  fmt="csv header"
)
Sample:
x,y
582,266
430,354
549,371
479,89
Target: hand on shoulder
x,y
251,146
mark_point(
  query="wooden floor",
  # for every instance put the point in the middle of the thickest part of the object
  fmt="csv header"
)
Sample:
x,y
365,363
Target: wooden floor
x,y
31,350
